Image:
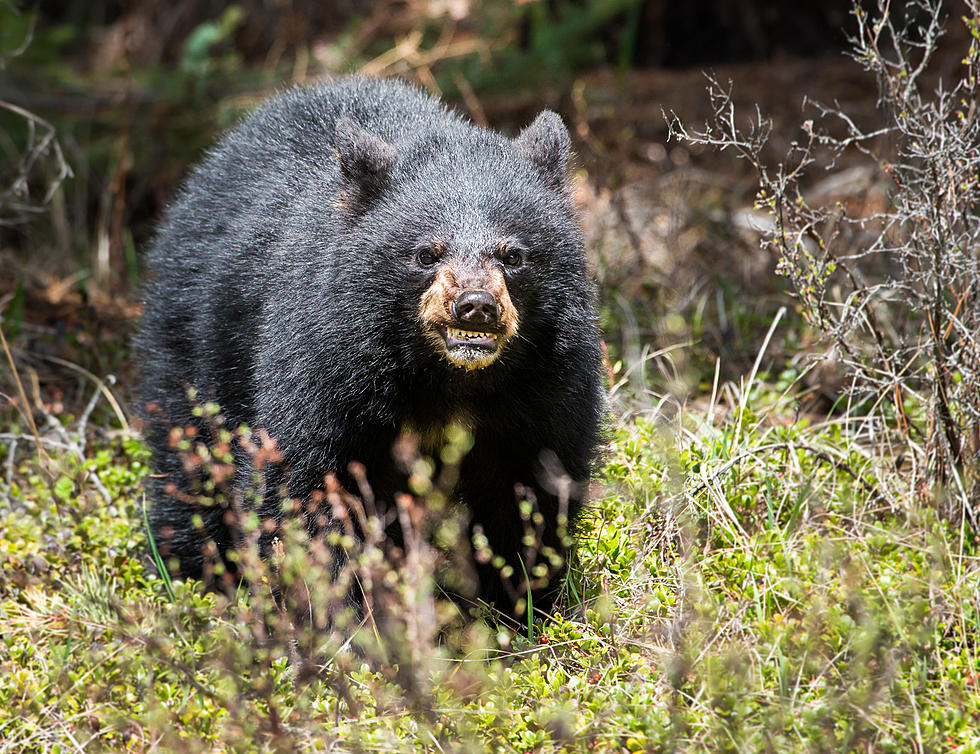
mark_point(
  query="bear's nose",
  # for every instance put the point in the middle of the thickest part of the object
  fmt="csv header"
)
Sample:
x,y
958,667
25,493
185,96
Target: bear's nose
x,y
476,307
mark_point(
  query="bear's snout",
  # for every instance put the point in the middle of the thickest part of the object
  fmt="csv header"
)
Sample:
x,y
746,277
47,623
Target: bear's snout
x,y
476,307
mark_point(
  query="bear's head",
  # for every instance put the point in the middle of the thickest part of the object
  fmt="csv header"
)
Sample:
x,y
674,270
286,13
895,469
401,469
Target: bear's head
x,y
479,228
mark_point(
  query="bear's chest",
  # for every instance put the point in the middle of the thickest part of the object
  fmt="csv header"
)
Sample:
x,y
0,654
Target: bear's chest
x,y
432,438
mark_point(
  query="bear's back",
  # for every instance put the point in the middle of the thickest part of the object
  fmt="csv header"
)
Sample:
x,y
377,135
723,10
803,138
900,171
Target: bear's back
x,y
265,161
213,249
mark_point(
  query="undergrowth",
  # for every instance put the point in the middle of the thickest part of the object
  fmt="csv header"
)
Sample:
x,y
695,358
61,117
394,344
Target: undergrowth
x,y
748,579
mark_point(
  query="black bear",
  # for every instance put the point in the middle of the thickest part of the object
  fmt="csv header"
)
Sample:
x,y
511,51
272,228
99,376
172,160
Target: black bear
x,y
355,260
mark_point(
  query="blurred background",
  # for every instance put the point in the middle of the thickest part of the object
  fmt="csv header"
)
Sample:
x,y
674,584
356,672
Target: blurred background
x,y
105,105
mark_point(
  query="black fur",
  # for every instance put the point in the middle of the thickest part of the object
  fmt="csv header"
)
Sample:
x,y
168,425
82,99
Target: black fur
x,y
285,286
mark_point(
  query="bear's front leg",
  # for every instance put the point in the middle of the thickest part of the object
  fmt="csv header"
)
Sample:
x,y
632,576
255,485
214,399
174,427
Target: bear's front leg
x,y
521,514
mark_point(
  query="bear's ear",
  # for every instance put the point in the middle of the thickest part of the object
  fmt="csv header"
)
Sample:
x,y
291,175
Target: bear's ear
x,y
546,144
365,160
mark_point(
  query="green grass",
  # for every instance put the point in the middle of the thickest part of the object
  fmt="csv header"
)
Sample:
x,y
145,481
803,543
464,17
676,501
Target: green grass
x,y
752,581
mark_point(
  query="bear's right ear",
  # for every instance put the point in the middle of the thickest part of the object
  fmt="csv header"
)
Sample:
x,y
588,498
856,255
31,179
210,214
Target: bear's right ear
x,y
365,160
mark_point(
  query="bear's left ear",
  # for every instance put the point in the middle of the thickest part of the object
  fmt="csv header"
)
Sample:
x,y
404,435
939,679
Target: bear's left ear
x,y
365,159
547,145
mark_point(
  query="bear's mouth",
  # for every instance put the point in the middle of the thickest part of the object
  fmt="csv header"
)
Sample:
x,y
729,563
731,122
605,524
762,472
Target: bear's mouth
x,y
471,349
456,337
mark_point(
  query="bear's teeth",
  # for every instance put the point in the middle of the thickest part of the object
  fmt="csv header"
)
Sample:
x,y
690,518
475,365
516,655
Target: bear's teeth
x,y
468,334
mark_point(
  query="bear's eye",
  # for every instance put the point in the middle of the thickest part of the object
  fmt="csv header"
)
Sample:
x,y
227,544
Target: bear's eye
x,y
427,257
511,257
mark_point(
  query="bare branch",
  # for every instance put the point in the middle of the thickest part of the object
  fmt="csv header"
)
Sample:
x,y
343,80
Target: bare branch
x,y
896,290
